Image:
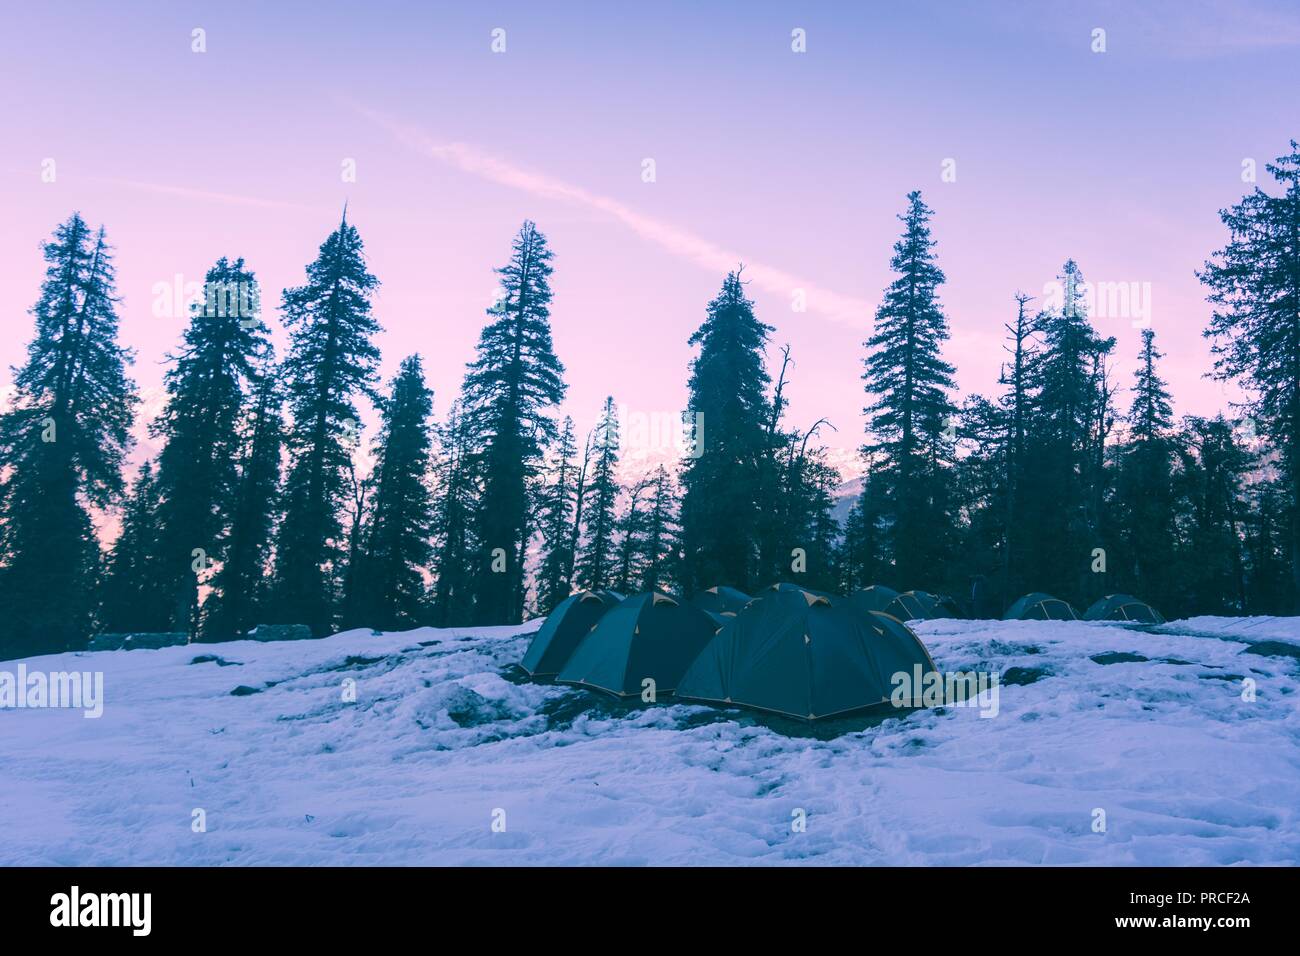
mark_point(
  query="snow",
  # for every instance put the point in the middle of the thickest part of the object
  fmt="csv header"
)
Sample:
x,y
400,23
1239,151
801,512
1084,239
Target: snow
x,y
444,738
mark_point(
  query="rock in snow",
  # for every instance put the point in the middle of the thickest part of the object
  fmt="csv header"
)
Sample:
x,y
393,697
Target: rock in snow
x,y
425,748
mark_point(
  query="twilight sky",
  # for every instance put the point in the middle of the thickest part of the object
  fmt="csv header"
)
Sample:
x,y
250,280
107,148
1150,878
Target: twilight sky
x,y
795,164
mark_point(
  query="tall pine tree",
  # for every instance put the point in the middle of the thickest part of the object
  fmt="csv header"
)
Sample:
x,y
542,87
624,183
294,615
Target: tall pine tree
x,y
510,389
331,360
62,444
1254,284
909,417
729,412
557,516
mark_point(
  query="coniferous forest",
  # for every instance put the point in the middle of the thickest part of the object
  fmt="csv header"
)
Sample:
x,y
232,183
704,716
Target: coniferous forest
x,y
257,510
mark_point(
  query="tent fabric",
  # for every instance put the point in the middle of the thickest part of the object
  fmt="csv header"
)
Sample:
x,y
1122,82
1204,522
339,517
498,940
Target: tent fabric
x,y
646,636
793,652
564,628
720,600
1123,607
877,597
1040,607
913,605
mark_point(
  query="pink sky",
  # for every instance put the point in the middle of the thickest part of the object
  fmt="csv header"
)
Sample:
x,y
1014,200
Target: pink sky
x,y
795,164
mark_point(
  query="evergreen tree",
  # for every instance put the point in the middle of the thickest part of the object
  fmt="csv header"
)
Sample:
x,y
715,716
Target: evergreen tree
x,y
397,550
598,565
910,415
1145,493
200,432
331,361
1061,478
630,529
556,518
510,388
454,555
1254,284
239,588
862,559
723,479
62,444
131,600
660,550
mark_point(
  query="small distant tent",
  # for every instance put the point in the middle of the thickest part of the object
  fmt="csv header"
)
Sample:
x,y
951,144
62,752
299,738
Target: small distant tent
x,y
564,628
877,597
1040,607
647,636
721,600
913,605
782,586
1123,607
793,652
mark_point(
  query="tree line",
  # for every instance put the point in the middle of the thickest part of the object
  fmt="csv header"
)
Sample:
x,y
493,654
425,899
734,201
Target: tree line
x,y
255,510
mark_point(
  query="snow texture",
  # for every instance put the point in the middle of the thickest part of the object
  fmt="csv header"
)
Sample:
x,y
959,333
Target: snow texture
x,y
443,738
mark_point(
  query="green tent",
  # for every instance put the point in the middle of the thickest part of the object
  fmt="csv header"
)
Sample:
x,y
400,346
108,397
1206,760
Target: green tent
x,y
1040,607
564,628
913,605
647,636
877,597
721,600
793,652
1123,607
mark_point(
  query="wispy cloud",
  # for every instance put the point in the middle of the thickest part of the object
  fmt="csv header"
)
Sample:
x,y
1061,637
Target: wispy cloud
x,y
677,241
202,195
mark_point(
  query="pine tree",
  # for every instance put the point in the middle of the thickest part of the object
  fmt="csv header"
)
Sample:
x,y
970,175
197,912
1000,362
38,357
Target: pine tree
x,y
597,566
200,433
862,559
239,588
130,598
1061,476
457,490
556,519
331,361
630,530
62,443
1145,495
660,550
910,414
397,550
1254,284
510,388
722,480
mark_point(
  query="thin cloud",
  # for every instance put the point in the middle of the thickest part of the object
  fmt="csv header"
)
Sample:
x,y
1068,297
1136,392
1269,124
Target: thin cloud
x,y
678,242
203,195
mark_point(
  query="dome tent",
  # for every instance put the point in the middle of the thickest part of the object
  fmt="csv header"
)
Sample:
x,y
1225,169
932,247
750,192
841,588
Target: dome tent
x,y
911,605
877,597
1123,607
720,600
565,627
793,652
1040,607
646,636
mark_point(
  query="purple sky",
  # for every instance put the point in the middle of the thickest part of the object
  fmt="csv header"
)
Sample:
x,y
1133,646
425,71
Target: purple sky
x,y
795,164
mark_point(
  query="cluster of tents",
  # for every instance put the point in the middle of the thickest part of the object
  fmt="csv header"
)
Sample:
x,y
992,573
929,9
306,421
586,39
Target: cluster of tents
x,y
789,650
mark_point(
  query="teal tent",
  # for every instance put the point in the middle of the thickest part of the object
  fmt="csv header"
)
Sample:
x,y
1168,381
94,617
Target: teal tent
x,y
649,636
795,653
877,597
720,600
913,605
564,628
1040,607
1123,607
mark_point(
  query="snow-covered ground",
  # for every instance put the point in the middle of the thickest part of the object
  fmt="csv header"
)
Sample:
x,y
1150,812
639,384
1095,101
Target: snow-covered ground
x,y
443,740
